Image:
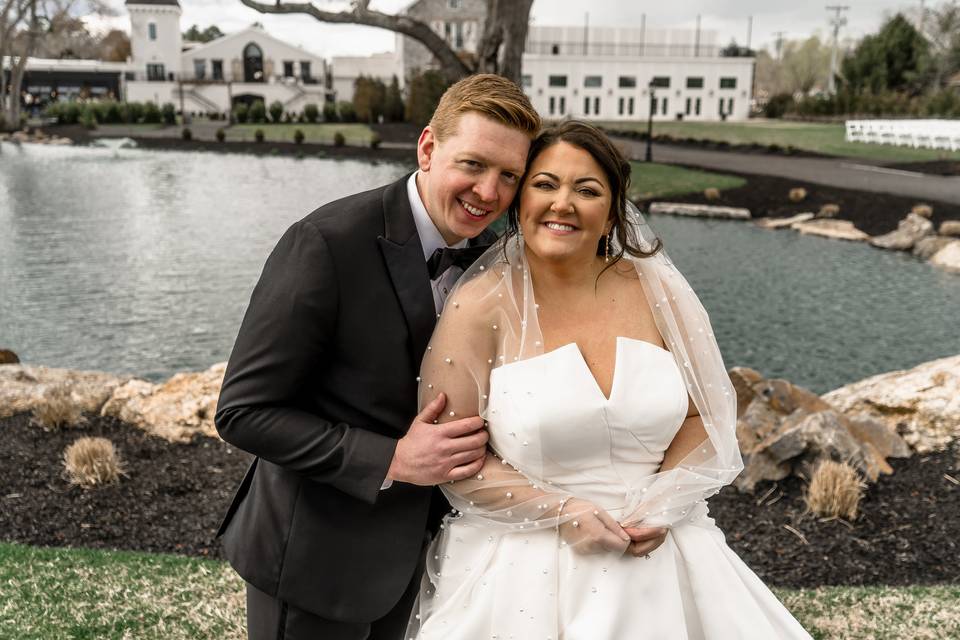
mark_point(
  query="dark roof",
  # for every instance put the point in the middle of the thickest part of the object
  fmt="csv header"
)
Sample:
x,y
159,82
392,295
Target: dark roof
x,y
170,3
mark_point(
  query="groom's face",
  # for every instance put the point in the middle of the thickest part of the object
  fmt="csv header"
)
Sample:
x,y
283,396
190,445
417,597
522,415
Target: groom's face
x,y
469,178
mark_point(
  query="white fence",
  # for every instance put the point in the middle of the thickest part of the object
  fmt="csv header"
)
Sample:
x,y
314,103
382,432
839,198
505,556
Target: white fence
x,y
931,134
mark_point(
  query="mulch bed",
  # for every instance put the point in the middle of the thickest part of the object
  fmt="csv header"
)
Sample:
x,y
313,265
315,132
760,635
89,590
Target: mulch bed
x,y
174,496
874,213
934,167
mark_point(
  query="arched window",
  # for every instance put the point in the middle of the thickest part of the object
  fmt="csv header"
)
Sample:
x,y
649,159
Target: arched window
x,y
252,63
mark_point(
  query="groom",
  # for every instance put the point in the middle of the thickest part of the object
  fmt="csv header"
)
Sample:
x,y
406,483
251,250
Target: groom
x,y
329,524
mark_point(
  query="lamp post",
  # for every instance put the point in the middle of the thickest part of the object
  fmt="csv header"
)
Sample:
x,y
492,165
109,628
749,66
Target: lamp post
x,y
653,105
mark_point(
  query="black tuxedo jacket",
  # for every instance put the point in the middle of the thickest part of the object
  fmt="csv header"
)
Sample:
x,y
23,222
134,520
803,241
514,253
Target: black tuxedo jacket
x,y
320,385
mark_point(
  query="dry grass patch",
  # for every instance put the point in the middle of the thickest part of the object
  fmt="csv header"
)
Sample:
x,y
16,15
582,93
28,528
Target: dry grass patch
x,y
829,211
89,462
711,193
797,194
57,409
835,490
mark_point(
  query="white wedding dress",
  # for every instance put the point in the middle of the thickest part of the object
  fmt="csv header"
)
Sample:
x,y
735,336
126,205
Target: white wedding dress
x,y
487,583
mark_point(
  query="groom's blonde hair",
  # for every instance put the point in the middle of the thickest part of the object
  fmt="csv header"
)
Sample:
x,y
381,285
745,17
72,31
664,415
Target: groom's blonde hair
x,y
491,96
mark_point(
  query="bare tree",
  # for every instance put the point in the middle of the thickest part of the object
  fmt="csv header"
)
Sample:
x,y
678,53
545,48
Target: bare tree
x,y
941,27
18,46
500,49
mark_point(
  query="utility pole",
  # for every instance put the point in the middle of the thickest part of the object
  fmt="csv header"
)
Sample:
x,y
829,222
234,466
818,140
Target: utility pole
x,y
696,46
923,17
779,44
749,31
837,21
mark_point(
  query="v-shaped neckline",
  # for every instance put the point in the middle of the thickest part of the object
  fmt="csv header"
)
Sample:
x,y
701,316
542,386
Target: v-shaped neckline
x,y
616,364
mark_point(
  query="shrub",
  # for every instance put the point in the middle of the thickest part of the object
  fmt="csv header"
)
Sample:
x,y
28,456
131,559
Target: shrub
x,y
375,140
258,135
169,114
57,410
330,113
151,114
111,114
276,111
221,135
241,112
186,134
88,117
835,490
778,105
298,136
258,112
134,112
797,194
338,139
311,113
347,112
711,193
92,461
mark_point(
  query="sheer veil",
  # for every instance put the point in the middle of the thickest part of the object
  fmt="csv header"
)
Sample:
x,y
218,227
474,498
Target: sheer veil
x,y
490,321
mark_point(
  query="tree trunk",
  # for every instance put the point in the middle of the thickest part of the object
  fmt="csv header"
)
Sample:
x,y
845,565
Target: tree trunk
x,y
504,38
18,64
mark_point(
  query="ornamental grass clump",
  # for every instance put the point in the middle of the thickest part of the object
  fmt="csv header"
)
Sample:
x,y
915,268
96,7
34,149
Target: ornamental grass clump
x,y
57,410
834,491
711,193
89,462
797,194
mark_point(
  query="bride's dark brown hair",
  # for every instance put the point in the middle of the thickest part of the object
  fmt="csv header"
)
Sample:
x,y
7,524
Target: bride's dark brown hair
x,y
615,166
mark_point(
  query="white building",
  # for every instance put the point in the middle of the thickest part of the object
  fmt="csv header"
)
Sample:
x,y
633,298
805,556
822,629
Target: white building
x,y
245,66
607,73
346,69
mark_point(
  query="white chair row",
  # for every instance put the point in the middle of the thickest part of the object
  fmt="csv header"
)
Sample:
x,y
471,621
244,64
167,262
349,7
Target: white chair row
x,y
930,134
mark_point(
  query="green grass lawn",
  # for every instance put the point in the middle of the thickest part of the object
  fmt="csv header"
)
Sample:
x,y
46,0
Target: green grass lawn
x,y
322,133
652,180
827,139
84,594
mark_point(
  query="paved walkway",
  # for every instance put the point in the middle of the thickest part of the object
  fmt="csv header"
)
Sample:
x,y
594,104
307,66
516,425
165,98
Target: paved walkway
x,y
847,173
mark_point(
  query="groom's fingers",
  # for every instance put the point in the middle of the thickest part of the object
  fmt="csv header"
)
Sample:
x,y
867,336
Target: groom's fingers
x,y
476,440
462,427
467,470
468,456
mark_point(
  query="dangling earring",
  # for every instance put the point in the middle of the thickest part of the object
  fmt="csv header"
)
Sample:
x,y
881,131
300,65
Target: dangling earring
x,y
606,250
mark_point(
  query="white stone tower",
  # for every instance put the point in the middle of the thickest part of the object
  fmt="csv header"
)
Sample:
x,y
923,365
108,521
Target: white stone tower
x,y
155,40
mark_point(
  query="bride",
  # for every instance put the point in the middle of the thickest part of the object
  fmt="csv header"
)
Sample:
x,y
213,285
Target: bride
x,y
608,406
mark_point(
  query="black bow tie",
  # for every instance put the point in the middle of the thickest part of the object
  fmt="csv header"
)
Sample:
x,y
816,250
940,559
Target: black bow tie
x,y
444,258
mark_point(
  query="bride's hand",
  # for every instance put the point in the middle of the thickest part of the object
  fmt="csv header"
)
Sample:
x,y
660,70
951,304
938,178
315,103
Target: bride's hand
x,y
589,529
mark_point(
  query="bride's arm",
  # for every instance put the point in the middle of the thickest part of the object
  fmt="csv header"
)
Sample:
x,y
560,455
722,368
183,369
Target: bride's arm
x,y
690,436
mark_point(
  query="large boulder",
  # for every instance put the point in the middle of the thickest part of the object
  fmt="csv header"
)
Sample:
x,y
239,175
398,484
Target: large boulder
x,y
921,404
23,387
8,357
786,429
948,257
779,223
699,210
910,230
950,228
827,228
176,410
927,246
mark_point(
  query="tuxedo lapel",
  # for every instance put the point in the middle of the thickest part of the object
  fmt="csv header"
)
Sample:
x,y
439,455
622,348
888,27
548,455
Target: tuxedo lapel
x,y
403,254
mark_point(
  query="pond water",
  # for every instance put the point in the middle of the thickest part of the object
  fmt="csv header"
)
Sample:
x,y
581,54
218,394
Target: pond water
x,y
142,262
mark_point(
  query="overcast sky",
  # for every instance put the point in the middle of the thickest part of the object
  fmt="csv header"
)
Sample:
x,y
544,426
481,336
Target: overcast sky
x,y
727,17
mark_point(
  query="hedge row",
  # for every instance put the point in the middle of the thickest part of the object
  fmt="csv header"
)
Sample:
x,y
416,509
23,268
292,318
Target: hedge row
x,y
944,103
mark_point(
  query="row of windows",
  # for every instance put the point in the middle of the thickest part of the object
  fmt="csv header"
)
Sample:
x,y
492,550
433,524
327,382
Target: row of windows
x,y
557,106
216,69
630,82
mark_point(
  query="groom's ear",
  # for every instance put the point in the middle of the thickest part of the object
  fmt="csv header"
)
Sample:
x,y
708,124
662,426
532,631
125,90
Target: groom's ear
x,y
425,148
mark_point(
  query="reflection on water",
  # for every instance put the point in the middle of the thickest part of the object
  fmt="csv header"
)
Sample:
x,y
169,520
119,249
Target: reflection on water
x,y
142,262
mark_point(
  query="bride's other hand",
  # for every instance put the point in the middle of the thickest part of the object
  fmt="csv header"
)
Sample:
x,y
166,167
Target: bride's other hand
x,y
589,529
643,540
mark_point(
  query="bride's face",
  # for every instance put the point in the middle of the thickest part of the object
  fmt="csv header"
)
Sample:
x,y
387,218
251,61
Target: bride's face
x,y
565,204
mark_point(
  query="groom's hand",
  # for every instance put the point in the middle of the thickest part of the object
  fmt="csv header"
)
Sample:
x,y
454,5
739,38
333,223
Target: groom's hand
x,y
437,453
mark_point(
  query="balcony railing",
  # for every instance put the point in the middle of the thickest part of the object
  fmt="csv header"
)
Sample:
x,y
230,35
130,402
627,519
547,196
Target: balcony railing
x,y
193,78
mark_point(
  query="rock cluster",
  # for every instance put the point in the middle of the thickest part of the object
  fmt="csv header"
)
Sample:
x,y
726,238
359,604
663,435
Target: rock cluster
x,y
176,410
699,210
37,136
784,429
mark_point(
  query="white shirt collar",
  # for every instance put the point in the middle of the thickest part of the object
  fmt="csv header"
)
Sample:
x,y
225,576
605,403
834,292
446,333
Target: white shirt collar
x,y
430,237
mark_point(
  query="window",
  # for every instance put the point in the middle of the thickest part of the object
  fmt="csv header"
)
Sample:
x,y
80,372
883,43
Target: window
x,y
526,80
458,36
305,70
152,30
661,82
252,63
729,106
593,82
686,111
553,105
216,69
728,83
628,82
630,107
155,72
596,106
663,104
563,105
695,82
199,68
620,108
557,81
555,49
454,4
696,109
288,68
586,106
